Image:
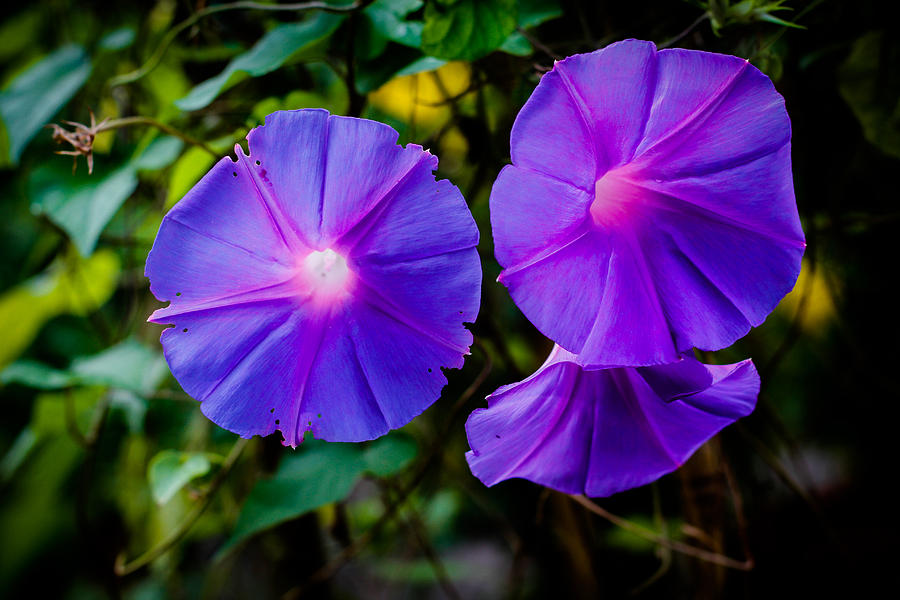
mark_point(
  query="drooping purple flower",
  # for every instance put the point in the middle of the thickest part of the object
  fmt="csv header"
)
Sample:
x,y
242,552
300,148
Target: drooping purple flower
x,y
598,432
649,208
319,283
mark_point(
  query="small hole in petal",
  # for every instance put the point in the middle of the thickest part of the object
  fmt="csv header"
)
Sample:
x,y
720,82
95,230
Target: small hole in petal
x,y
429,370
271,410
184,330
278,421
257,162
177,293
319,415
234,173
497,435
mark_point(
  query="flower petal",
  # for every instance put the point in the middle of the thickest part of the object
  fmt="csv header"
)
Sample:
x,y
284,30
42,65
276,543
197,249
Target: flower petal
x,y
598,432
691,234
236,239
531,212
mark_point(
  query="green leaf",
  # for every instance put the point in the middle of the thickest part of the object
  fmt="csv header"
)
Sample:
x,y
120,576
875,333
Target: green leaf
x,y
268,54
467,29
318,474
531,14
170,470
33,97
117,40
869,81
159,154
81,204
69,285
128,365
389,454
388,19
36,375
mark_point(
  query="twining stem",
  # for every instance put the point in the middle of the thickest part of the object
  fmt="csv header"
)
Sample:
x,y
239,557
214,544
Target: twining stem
x,y
686,549
128,121
123,568
167,40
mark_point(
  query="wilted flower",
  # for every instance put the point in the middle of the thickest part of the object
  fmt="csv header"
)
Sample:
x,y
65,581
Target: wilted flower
x,y
319,283
649,208
598,432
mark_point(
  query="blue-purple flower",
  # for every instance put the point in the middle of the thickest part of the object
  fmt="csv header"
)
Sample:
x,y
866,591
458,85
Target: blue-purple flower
x,y
601,431
649,208
319,283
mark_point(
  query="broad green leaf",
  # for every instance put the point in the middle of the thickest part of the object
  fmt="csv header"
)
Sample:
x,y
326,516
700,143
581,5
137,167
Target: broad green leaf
x,y
269,53
170,470
389,454
531,14
160,153
69,285
318,474
117,40
81,204
128,365
36,375
869,81
32,98
388,19
467,29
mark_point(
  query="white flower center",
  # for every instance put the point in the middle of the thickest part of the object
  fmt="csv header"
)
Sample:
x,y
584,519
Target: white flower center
x,y
327,270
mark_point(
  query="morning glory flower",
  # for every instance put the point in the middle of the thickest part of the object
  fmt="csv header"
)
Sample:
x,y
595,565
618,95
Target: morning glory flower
x,y
598,432
319,283
649,207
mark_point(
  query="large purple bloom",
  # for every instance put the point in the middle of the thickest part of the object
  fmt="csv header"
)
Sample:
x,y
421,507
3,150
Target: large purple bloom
x,y
649,208
319,283
598,432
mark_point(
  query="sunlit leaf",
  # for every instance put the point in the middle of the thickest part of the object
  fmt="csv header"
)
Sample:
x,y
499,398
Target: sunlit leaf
x,y
467,29
69,285
170,470
269,53
31,100
187,171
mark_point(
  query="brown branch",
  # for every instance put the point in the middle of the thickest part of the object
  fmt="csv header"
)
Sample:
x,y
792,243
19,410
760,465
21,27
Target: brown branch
x,y
682,548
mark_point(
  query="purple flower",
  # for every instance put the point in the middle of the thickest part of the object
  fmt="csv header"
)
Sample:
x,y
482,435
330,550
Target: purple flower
x,y
598,432
318,284
649,208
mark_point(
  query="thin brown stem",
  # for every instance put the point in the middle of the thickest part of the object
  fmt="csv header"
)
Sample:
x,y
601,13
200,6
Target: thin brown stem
x,y
674,545
167,40
123,568
129,121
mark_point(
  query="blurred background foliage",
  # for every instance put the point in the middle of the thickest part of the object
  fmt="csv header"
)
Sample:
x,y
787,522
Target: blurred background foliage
x,y
112,483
